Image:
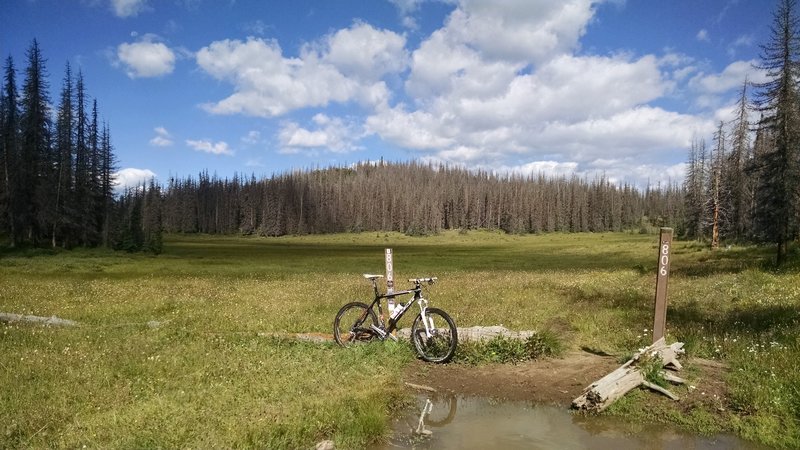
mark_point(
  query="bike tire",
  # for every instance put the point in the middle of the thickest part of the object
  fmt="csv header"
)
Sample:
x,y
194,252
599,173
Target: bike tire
x,y
441,346
352,324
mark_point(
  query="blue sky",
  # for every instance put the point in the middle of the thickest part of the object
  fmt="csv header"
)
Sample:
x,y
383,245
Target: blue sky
x,y
527,86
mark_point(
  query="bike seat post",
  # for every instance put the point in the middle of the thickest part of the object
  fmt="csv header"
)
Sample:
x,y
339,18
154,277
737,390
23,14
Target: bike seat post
x,y
375,286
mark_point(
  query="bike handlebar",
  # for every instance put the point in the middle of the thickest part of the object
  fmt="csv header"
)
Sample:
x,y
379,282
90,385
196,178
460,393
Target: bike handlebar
x,y
430,280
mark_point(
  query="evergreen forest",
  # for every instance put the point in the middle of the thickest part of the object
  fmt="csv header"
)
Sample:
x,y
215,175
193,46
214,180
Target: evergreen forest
x,y
58,164
57,161
745,186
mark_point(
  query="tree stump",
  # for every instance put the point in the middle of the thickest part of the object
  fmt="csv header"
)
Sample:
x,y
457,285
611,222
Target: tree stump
x,y
605,391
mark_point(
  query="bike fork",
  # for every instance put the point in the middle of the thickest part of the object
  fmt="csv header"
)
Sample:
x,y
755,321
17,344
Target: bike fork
x,y
427,321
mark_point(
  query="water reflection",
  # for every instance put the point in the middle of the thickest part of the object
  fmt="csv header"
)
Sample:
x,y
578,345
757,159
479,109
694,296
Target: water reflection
x,y
453,422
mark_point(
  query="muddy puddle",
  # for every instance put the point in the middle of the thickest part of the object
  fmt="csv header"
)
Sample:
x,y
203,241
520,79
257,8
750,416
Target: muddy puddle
x,y
456,422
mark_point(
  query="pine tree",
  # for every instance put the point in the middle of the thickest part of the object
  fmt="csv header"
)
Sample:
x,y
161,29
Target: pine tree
x,y
717,199
33,169
9,146
3,167
84,201
107,167
779,174
56,179
737,183
95,177
131,235
694,194
63,225
151,219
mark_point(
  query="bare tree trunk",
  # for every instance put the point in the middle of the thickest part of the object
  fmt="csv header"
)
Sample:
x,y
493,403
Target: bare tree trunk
x,y
715,227
11,218
58,200
605,391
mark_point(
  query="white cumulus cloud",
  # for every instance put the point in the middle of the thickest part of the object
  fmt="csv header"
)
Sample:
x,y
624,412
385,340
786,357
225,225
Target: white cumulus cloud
x,y
518,30
732,77
130,178
406,8
162,138
489,90
500,85
331,134
206,146
146,58
711,90
364,52
345,66
128,8
252,137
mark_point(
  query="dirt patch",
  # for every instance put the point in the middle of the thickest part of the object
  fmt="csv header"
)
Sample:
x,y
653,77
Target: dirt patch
x,y
554,381
557,381
707,387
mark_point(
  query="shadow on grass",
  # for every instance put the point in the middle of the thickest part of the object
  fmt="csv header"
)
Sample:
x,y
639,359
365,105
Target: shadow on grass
x,y
753,319
26,251
430,257
699,262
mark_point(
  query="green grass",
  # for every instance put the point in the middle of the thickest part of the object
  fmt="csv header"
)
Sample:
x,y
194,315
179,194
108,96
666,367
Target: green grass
x,y
504,350
207,376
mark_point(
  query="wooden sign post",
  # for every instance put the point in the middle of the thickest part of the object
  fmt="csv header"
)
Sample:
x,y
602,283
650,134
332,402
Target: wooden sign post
x,y
389,272
662,277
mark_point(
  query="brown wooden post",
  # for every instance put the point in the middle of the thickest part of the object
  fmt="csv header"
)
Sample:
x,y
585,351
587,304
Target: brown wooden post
x,y
389,272
662,277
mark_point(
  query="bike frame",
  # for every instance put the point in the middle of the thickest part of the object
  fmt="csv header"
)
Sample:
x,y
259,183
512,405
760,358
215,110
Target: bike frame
x,y
386,329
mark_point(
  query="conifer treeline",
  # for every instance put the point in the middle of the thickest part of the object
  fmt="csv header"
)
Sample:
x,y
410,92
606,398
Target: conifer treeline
x,y
57,188
57,166
747,190
411,198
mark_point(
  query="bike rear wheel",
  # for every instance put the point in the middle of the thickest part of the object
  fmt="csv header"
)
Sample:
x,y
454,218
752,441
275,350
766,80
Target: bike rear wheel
x,y
352,324
440,345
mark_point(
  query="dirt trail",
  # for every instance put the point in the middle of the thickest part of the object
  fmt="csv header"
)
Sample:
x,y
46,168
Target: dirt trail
x,y
554,381
558,381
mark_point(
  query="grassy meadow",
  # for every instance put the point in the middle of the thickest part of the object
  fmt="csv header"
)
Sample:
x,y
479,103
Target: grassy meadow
x,y
173,350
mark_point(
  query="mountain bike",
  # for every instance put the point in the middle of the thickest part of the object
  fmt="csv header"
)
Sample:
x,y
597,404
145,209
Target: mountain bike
x,y
433,332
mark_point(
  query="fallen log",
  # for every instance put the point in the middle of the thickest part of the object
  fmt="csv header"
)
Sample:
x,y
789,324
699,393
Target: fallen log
x,y
605,391
53,320
465,334
420,387
479,333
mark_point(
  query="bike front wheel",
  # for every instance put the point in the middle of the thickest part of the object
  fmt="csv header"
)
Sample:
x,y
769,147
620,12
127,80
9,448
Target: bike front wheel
x,y
437,341
353,324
